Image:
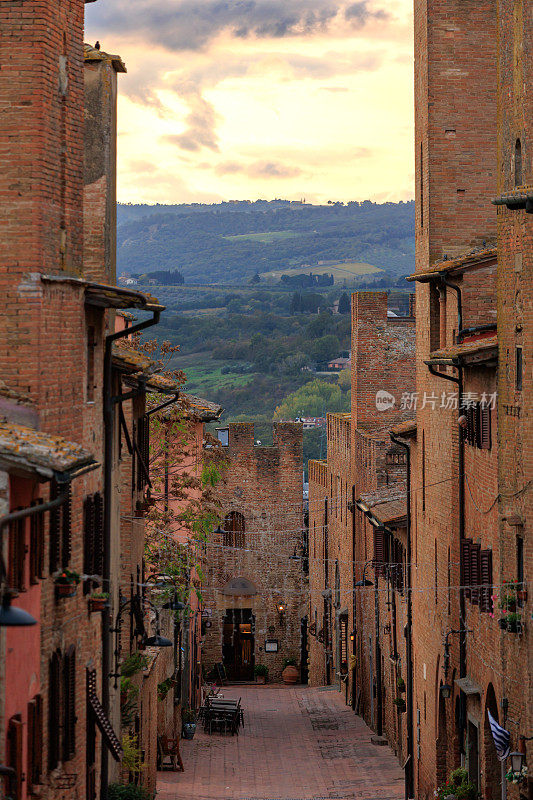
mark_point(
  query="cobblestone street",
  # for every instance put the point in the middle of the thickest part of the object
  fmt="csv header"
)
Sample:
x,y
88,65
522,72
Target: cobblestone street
x,y
299,743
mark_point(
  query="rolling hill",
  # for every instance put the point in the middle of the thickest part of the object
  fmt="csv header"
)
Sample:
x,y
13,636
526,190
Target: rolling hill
x,y
230,242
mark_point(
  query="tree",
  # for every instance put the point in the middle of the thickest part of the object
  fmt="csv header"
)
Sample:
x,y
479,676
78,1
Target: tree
x,y
325,348
344,304
255,278
312,400
296,303
345,380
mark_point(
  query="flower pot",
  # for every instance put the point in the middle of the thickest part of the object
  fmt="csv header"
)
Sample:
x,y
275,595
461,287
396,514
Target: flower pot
x,y
188,730
65,589
502,622
522,595
96,604
290,675
260,679
400,707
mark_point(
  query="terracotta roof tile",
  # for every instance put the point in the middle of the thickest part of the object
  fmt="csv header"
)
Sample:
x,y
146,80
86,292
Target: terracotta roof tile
x,y
462,262
407,428
28,449
481,348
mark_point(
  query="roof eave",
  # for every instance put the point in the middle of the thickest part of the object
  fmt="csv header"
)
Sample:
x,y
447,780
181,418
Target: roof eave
x,y
102,296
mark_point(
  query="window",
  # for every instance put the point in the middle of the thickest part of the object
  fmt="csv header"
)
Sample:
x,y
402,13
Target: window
x,y
17,555
36,545
54,710
518,163
60,529
61,707
35,741
485,592
93,537
478,426
234,528
69,704
15,730
91,346
519,369
343,644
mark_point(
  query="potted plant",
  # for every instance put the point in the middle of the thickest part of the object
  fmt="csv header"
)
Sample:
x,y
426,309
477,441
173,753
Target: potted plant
x,y
66,583
521,594
400,684
513,622
508,598
188,723
97,601
399,702
457,787
129,791
290,672
261,673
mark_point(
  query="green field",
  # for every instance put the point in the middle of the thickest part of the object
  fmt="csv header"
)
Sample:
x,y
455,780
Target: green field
x,y
207,377
263,238
341,272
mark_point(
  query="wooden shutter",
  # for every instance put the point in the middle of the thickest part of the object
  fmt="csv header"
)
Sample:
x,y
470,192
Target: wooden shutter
x,y
379,549
470,425
475,573
465,566
14,755
485,595
36,545
35,741
98,564
54,710
485,427
17,555
69,703
88,540
66,531
54,531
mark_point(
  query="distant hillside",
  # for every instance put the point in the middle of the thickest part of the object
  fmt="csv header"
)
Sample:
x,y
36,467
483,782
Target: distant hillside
x,y
230,242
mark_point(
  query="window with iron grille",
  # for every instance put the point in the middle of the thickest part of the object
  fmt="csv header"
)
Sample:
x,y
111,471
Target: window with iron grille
x,y
234,528
93,538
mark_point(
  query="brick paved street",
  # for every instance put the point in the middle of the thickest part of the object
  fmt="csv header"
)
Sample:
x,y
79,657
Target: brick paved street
x,y
299,743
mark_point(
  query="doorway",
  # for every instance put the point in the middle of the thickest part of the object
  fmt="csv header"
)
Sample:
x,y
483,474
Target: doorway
x,y
238,644
473,752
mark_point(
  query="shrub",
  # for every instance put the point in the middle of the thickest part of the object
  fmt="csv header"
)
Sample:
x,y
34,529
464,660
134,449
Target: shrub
x,y
116,791
289,662
261,669
134,663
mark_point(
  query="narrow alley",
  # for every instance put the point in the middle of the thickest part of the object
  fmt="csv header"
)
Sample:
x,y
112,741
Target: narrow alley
x,y
298,743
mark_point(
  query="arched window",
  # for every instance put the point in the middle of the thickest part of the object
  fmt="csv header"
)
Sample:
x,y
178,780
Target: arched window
x,y
234,529
518,163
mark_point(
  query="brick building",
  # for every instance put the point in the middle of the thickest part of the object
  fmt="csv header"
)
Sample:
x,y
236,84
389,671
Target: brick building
x,y
255,593
357,520
61,458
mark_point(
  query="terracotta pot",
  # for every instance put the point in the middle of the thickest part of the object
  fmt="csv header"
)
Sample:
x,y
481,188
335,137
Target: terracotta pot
x,y
260,679
290,675
65,589
522,595
97,603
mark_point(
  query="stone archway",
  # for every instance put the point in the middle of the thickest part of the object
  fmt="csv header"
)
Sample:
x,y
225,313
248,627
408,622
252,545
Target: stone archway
x,y
491,763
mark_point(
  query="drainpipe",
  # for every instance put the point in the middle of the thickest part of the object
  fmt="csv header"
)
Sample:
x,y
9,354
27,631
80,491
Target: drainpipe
x,y
379,724
109,430
354,609
409,764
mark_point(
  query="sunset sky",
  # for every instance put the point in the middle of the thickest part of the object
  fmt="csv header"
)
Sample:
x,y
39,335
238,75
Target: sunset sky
x,y
246,99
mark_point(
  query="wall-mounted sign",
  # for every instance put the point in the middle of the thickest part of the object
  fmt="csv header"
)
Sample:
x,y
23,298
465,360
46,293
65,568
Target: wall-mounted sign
x,y
271,646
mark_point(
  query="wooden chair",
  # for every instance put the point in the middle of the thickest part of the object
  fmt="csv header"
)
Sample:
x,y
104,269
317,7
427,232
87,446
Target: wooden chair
x,y
168,747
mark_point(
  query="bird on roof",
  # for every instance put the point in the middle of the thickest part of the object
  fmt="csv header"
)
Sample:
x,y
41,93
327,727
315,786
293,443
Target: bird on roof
x,y
97,46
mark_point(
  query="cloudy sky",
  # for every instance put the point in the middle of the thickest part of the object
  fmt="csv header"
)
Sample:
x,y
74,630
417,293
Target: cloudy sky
x,y
246,99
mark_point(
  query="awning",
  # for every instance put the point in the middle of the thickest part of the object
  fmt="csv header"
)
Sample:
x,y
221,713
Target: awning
x,y
106,729
109,296
27,450
474,258
468,686
483,350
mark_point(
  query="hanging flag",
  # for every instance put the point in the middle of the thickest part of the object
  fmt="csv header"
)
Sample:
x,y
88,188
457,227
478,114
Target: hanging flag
x,y
502,738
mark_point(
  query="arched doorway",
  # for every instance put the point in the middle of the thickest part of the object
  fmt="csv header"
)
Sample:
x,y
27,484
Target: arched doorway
x,y
492,767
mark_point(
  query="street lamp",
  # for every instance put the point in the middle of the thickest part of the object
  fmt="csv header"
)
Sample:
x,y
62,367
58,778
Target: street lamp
x,y
365,581
517,761
14,617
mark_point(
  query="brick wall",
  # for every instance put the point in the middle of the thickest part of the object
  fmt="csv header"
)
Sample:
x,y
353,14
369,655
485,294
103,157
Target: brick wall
x,y
264,484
